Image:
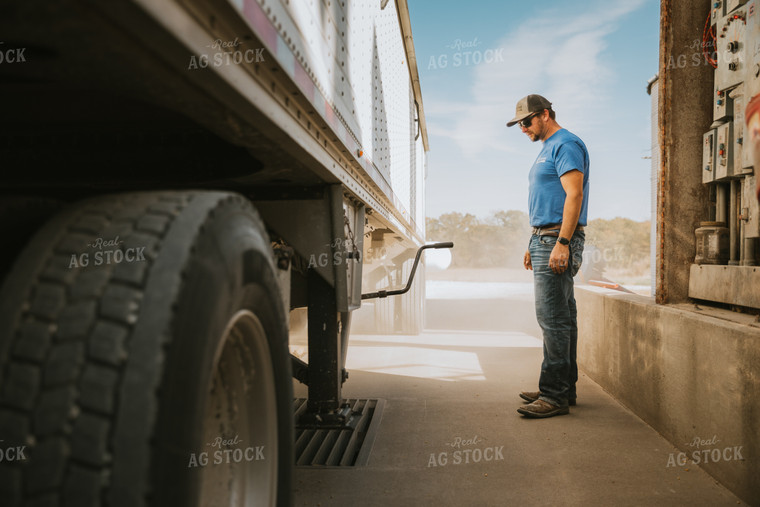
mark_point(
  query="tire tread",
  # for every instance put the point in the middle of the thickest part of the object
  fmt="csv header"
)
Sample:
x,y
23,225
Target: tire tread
x,y
64,372
75,325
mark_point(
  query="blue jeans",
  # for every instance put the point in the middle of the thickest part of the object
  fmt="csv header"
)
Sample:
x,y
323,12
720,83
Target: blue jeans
x,y
557,315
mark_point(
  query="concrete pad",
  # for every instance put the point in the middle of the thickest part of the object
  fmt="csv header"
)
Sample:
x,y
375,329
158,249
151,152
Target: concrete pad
x,y
691,374
452,397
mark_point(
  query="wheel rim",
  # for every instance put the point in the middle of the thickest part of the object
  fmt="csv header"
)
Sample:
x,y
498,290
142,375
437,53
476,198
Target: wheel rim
x,y
241,402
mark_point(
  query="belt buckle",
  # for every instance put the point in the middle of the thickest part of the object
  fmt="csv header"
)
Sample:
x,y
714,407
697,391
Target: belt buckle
x,y
549,230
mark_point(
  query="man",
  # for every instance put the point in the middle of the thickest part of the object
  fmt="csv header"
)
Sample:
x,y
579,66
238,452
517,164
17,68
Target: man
x,y
558,203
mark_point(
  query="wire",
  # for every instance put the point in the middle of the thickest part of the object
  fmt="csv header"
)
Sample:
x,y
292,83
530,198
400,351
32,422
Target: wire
x,y
708,32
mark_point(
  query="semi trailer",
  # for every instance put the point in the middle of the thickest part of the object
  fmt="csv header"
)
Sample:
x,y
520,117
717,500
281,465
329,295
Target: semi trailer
x,y
181,180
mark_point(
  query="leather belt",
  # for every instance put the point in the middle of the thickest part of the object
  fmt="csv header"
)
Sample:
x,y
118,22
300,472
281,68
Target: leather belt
x,y
552,230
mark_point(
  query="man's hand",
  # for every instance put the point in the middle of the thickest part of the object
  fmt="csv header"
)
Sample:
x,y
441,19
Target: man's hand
x,y
526,260
559,258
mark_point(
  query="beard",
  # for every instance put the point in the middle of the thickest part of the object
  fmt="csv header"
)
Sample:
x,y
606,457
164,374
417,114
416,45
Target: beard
x,y
538,126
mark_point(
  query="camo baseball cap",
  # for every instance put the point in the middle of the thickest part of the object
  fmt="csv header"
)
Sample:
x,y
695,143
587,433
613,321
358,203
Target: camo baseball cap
x,y
529,105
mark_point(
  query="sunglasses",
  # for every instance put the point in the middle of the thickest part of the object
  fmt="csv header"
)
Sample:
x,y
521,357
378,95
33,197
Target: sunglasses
x,y
526,122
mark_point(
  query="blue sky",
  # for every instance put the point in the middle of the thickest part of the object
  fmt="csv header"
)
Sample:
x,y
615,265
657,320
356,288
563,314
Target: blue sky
x,y
591,59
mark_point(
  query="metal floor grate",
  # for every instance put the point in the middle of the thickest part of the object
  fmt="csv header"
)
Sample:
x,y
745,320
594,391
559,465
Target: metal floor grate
x,y
339,447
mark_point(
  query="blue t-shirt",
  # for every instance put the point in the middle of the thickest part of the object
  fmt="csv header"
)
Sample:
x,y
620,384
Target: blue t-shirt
x,y
562,152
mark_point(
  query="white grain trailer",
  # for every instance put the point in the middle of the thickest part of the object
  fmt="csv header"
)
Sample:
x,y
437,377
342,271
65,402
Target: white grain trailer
x,y
177,177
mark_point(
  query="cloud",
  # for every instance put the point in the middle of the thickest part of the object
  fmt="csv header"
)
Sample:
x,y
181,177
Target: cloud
x,y
558,56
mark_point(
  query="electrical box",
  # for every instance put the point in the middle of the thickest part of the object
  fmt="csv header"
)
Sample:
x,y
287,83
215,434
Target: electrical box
x,y
727,151
751,208
732,63
724,159
720,104
708,156
752,76
733,4
718,11
741,159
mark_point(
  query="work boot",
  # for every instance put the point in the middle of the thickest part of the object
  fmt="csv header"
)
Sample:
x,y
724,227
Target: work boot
x,y
530,397
541,408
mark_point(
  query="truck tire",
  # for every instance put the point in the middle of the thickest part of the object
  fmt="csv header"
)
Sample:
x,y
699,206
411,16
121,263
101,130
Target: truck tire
x,y
157,381
20,217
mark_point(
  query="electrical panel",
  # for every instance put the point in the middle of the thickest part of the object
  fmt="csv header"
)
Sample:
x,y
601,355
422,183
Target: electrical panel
x,y
727,157
718,11
742,157
731,47
720,104
752,80
724,156
708,157
749,213
733,4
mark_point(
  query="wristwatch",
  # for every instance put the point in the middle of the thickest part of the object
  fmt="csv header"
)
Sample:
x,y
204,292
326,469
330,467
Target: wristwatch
x,y
563,241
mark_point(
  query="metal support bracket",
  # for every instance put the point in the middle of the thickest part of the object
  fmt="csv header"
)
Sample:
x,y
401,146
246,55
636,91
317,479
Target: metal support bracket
x,y
341,418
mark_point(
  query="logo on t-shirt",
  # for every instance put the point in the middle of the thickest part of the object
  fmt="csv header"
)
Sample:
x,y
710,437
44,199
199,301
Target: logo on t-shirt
x,y
541,160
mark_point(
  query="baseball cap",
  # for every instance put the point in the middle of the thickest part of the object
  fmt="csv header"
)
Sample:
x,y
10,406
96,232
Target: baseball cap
x,y
529,105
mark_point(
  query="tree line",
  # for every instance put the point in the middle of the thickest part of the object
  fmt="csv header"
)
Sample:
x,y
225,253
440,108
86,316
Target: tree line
x,y
500,240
